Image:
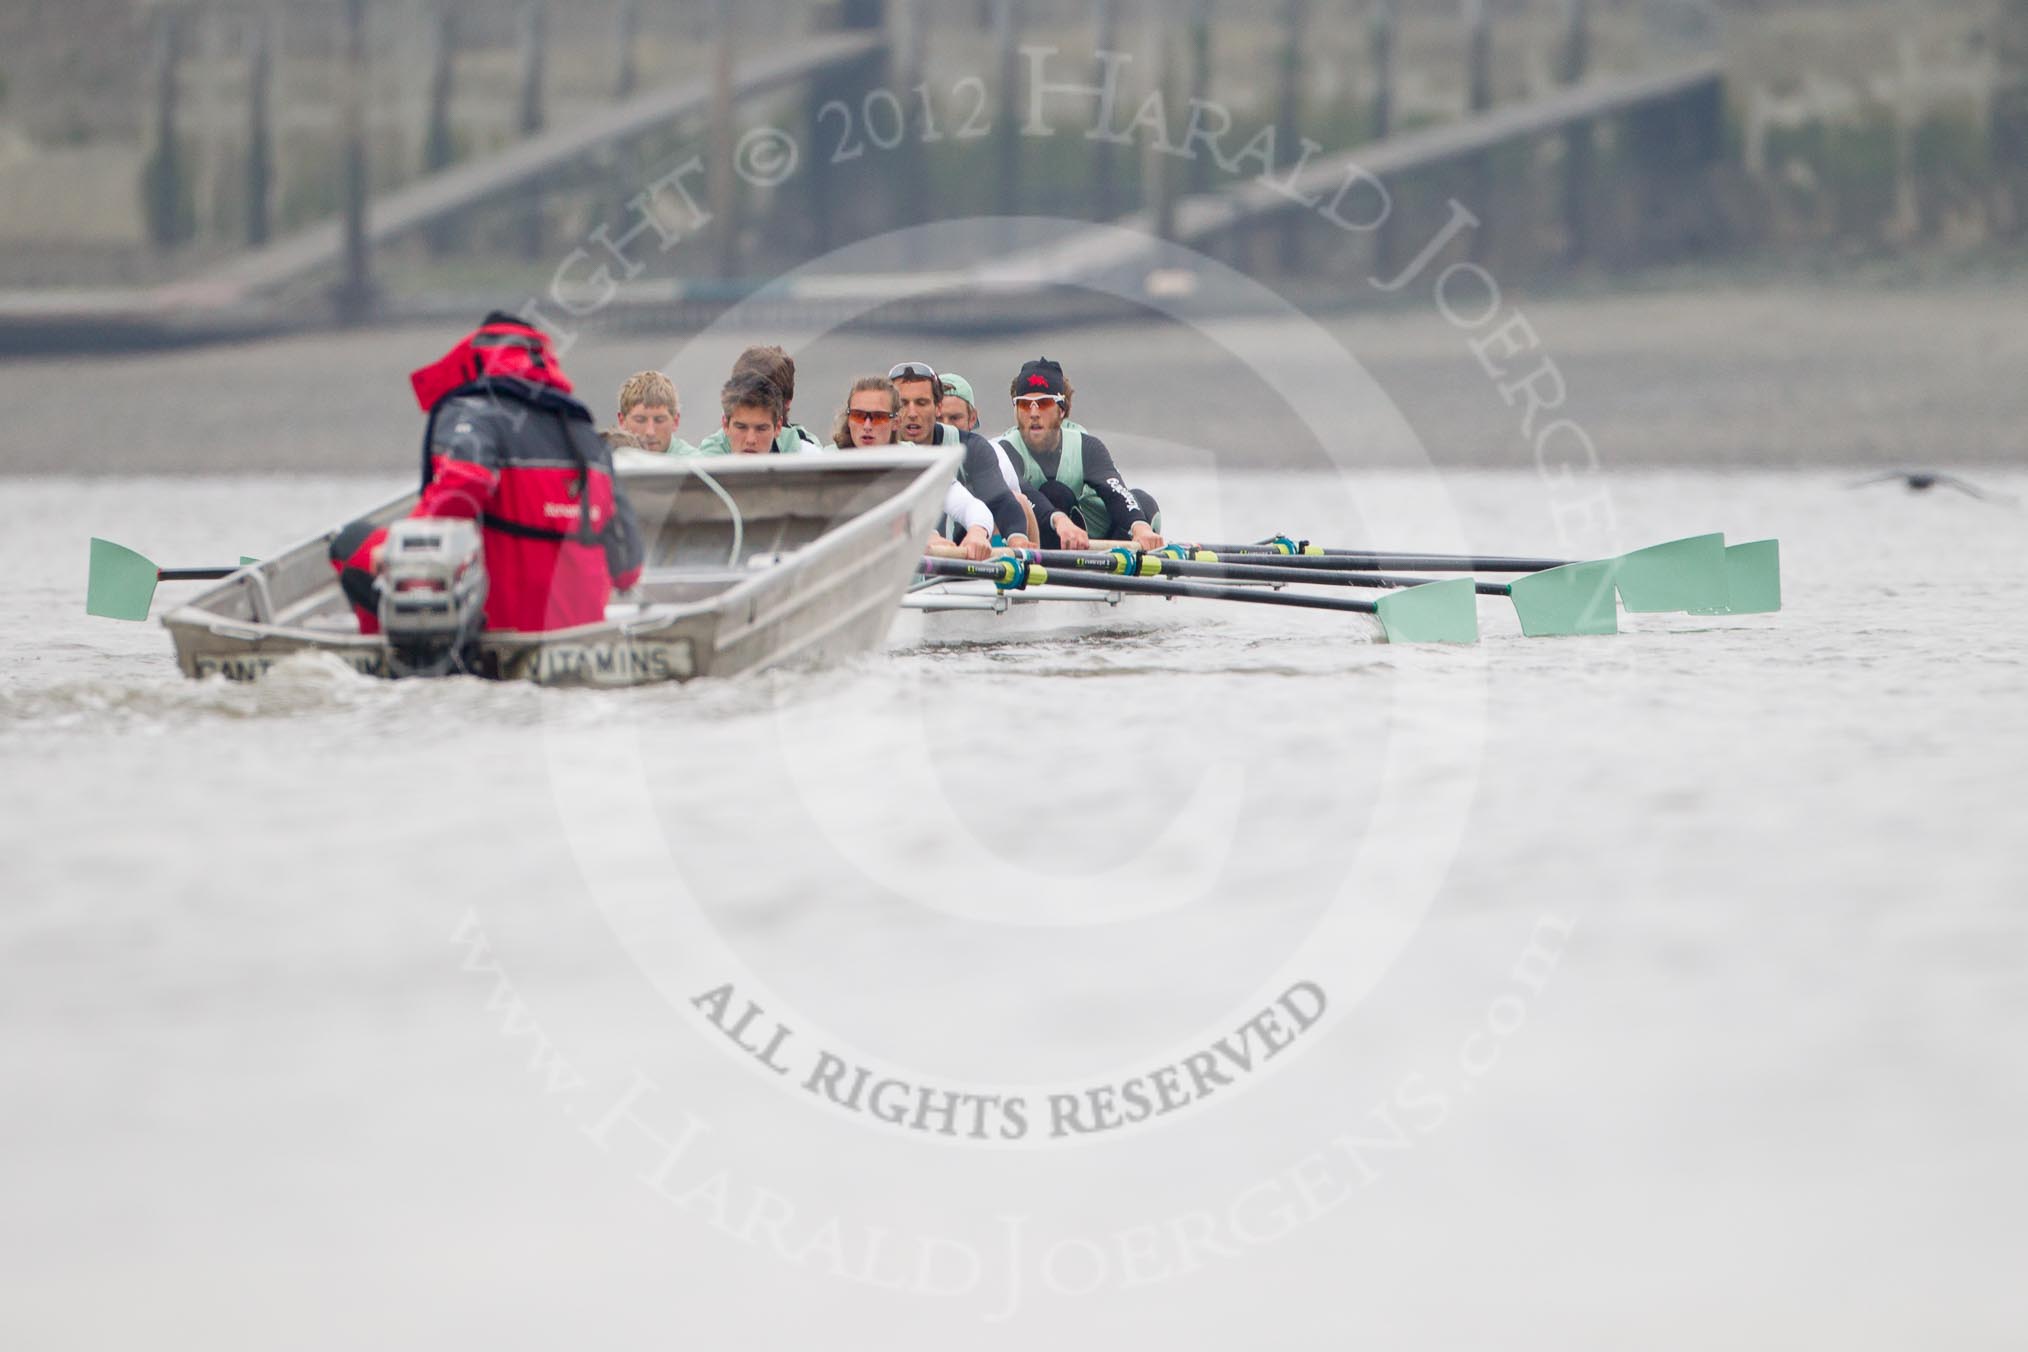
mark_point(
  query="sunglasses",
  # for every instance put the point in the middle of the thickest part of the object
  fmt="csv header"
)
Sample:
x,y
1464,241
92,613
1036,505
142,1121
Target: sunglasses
x,y
1035,403
912,370
869,418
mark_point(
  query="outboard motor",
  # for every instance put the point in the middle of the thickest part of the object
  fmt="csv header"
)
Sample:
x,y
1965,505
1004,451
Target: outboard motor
x,y
432,595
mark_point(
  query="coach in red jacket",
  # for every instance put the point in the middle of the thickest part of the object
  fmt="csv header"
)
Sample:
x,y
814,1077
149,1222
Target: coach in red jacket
x,y
507,446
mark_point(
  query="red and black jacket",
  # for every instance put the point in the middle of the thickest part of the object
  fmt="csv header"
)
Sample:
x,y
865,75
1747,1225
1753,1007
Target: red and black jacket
x,y
526,462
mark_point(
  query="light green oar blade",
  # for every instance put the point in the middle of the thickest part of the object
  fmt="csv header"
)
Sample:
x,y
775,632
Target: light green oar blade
x,y
121,583
1753,579
1577,598
1681,575
1433,612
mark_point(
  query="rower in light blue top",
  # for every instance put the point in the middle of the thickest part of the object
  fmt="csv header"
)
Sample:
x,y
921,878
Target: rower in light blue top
x,y
778,369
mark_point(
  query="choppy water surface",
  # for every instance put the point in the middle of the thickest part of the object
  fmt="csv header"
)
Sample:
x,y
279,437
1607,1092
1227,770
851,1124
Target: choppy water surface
x,y
1676,980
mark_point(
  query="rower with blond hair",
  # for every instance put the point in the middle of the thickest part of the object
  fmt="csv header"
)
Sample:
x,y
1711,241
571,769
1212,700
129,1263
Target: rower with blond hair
x,y
650,412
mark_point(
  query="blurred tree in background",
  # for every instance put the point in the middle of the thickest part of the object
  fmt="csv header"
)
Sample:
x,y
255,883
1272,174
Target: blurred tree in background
x,y
2009,131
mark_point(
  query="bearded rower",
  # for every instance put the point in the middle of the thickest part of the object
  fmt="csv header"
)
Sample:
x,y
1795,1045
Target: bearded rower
x,y
984,473
1068,473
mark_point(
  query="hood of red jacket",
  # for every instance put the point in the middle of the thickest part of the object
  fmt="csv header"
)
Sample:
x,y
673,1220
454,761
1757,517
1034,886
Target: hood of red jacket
x,y
502,346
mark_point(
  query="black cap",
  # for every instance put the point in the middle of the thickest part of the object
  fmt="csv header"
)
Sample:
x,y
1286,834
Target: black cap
x,y
1041,376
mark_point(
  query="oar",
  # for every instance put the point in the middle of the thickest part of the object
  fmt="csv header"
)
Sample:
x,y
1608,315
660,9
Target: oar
x,y
1440,612
1296,554
1573,599
1701,574
121,583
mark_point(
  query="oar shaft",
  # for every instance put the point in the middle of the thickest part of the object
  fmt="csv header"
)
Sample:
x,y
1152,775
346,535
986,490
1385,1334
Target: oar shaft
x,y
1140,586
1157,565
1376,558
195,574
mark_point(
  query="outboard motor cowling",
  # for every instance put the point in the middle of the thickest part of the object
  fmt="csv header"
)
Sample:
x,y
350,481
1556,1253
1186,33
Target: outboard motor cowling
x,y
432,595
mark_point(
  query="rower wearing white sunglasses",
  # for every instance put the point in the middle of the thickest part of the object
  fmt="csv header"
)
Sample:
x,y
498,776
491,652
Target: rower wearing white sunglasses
x,y
1068,473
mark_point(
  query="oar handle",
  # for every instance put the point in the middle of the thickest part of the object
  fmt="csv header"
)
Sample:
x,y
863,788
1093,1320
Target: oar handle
x,y
947,551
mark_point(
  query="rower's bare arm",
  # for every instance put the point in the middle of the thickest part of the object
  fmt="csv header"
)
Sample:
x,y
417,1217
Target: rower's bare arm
x,y
1034,533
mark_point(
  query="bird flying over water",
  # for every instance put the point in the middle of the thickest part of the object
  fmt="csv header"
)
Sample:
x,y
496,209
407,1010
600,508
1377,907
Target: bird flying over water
x,y
1922,480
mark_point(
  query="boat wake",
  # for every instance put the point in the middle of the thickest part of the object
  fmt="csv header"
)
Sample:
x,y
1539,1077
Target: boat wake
x,y
321,689
305,684
1045,642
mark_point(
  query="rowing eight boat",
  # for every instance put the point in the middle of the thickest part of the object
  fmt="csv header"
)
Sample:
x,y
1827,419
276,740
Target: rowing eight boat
x,y
944,611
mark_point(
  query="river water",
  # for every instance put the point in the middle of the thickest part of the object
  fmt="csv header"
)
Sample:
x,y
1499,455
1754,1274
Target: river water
x,y
1661,990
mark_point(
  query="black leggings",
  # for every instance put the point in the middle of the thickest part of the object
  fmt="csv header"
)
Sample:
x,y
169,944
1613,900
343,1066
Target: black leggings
x,y
361,588
1059,498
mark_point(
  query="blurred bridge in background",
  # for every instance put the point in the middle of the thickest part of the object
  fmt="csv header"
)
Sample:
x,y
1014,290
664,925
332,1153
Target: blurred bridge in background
x,y
1321,149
